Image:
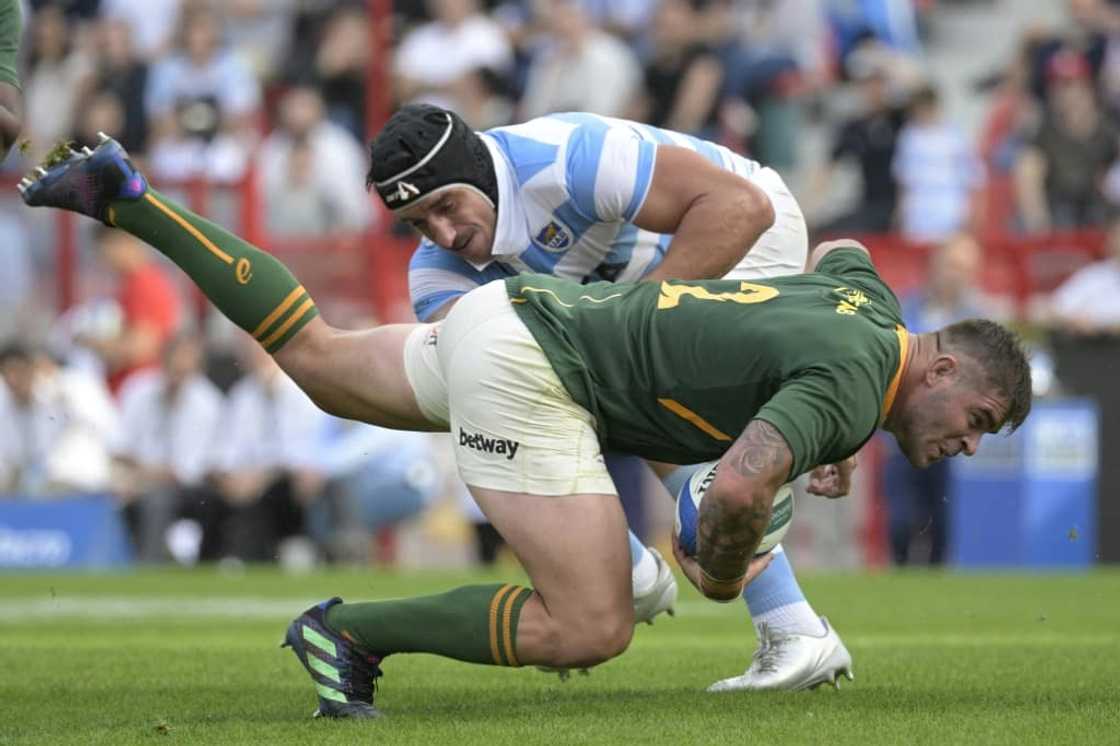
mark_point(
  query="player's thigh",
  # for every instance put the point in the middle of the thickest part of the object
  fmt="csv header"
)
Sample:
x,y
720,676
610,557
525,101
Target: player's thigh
x,y
784,248
513,424
574,549
532,458
359,375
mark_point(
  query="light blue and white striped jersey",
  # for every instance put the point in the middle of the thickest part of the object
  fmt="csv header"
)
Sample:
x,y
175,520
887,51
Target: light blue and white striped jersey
x,y
569,186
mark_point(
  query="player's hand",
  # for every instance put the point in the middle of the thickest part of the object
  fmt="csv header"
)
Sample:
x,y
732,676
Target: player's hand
x,y
833,480
691,568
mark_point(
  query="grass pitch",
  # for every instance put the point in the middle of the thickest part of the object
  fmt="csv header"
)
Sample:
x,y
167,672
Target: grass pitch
x,y
192,657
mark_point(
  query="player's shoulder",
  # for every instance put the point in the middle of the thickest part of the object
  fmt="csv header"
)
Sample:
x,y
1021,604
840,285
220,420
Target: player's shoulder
x,y
849,261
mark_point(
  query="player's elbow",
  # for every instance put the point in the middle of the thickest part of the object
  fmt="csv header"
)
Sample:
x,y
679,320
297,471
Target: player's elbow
x,y
755,208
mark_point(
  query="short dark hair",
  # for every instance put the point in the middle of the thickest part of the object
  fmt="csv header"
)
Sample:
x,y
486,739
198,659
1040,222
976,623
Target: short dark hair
x,y
1002,358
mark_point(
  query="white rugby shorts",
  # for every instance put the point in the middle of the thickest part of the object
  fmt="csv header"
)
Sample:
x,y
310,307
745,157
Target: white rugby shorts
x,y
784,248
513,425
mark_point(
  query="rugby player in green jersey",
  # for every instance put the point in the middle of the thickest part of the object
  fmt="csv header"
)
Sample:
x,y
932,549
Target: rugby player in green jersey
x,y
11,96
537,376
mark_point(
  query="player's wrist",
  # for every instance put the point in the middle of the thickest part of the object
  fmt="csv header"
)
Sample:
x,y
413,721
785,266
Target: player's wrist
x,y
721,589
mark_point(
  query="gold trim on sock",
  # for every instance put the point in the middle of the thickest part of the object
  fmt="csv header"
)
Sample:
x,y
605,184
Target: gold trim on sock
x,y
277,312
507,617
495,602
206,242
298,314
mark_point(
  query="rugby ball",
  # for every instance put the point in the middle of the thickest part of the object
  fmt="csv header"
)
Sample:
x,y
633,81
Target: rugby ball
x,y
688,511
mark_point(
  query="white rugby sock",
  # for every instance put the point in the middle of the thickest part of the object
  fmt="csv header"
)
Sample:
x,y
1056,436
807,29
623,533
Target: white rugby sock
x,y
643,566
795,619
775,597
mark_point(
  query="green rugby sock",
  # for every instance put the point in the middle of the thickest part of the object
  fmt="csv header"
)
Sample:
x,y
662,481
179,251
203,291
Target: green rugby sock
x,y
252,288
475,623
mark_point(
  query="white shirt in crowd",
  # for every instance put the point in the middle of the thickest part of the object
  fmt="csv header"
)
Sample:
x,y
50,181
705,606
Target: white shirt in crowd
x,y
327,193
437,54
1091,294
937,171
274,427
601,77
60,442
178,433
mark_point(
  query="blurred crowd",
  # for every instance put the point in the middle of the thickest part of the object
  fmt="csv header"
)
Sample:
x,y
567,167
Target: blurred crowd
x,y
212,452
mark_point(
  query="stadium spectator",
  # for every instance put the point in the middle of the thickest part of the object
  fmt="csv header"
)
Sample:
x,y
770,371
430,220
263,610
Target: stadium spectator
x,y
869,138
376,479
1089,301
579,67
55,426
683,78
312,171
152,23
1060,174
774,53
1007,126
341,68
937,171
266,464
56,71
447,61
149,305
170,420
113,101
260,31
918,500
626,19
20,310
203,103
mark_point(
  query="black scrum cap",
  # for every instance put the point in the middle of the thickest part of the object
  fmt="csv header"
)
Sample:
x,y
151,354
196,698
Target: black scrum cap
x,y
423,149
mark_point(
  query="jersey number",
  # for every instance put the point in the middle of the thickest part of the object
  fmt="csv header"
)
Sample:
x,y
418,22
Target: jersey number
x,y
748,293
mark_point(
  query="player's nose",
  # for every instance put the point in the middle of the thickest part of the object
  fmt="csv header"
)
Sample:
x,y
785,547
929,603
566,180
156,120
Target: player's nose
x,y
442,232
969,444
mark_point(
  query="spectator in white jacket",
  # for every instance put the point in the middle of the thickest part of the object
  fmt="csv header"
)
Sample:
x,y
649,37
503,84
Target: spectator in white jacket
x,y
170,419
56,425
312,172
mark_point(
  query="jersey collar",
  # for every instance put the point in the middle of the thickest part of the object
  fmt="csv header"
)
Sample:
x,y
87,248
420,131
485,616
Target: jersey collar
x,y
511,233
892,390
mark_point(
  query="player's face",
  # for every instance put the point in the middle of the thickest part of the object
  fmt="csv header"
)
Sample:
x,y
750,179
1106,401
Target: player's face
x,y
460,220
946,417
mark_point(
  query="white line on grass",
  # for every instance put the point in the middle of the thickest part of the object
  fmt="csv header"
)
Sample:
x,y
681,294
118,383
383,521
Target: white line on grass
x,y
14,611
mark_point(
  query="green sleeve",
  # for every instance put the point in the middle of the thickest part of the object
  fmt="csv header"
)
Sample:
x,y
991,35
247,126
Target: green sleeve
x,y
822,419
11,29
854,266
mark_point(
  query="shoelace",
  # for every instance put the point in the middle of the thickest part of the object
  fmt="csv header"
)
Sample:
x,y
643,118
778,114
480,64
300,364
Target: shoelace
x,y
364,673
769,650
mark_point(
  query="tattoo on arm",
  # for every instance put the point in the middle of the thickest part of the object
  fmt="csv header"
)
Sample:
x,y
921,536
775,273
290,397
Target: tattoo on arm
x,y
730,531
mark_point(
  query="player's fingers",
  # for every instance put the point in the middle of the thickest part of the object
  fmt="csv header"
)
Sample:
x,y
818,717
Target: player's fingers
x,y
757,566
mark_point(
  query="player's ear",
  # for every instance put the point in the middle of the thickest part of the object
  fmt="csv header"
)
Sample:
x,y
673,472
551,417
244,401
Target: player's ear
x,y
943,369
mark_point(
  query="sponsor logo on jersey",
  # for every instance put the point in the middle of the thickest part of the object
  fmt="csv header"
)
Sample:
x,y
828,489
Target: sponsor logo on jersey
x,y
483,444
554,237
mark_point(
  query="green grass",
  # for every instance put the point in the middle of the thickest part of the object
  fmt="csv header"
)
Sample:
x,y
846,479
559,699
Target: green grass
x,y
939,659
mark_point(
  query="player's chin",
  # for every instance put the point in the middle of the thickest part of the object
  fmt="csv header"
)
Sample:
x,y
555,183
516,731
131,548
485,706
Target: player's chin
x,y
919,458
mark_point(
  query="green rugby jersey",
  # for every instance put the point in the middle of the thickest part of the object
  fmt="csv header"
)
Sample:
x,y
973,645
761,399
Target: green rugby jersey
x,y
11,27
674,371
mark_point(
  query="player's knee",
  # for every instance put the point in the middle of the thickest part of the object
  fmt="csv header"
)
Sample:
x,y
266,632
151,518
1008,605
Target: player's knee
x,y
603,637
616,636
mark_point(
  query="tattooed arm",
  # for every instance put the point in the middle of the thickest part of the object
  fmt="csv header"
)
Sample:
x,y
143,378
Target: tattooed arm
x,y
736,511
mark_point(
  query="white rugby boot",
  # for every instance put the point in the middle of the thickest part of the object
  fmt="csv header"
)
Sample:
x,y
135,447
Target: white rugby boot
x,y
789,662
660,597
